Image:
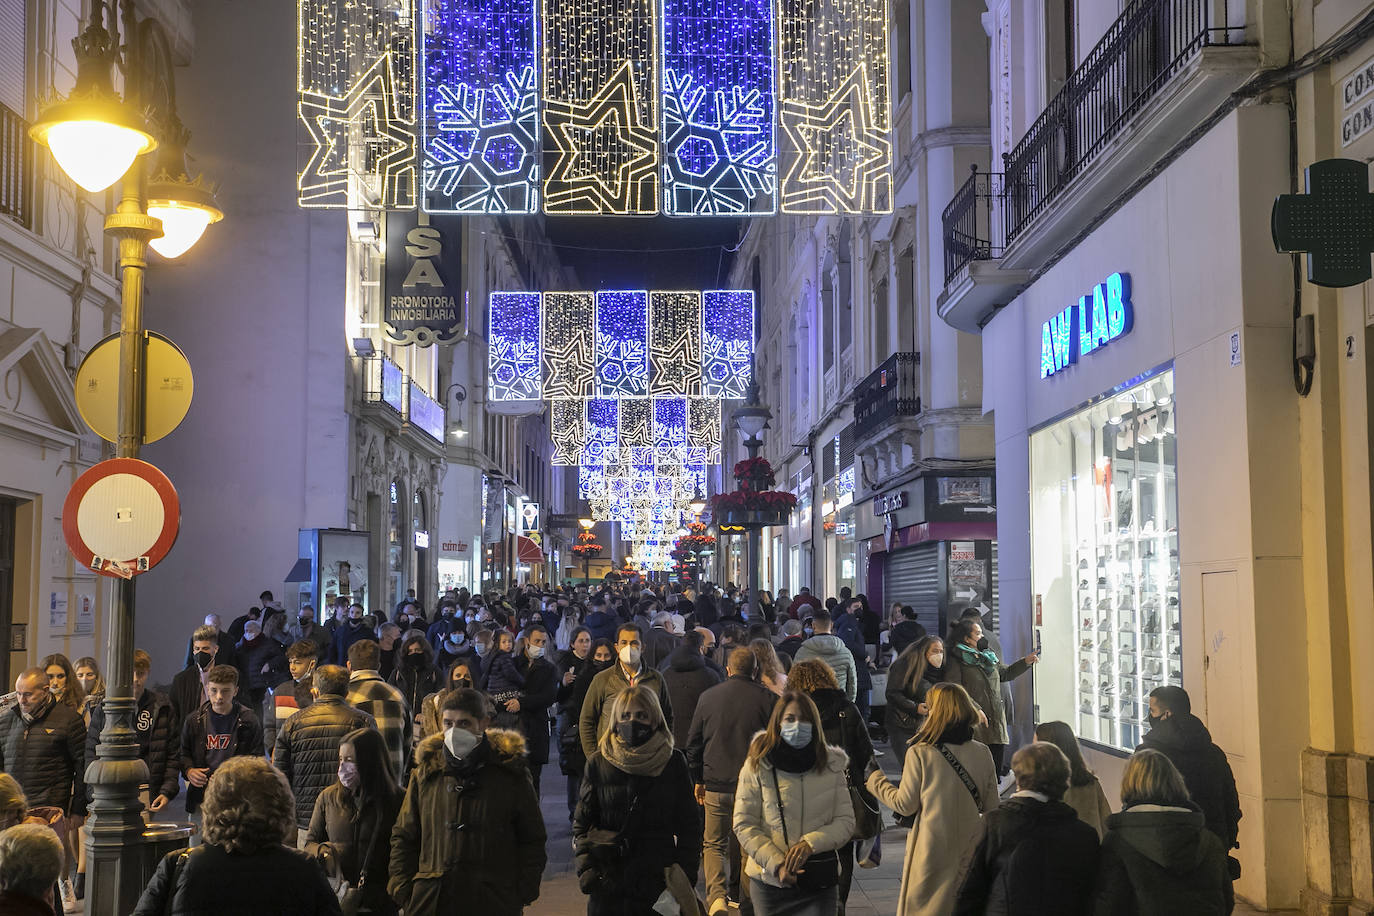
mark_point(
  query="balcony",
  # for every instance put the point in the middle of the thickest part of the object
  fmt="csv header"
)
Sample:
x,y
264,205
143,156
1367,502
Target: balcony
x,y
889,392
1160,70
16,168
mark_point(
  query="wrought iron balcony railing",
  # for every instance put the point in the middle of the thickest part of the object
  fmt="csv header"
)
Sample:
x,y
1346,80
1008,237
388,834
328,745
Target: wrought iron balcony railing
x,y
1148,44
384,383
970,232
890,391
16,168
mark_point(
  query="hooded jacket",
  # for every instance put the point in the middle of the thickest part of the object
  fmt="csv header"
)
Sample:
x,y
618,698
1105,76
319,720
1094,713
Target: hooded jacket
x,y
307,749
46,756
1034,858
1186,742
158,741
1159,861
469,833
687,678
831,649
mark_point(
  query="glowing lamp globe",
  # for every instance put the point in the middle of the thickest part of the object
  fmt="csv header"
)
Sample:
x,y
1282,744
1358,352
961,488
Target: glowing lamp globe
x,y
93,137
183,223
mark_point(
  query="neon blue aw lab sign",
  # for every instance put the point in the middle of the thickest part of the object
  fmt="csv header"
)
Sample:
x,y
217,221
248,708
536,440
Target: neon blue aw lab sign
x,y
1097,320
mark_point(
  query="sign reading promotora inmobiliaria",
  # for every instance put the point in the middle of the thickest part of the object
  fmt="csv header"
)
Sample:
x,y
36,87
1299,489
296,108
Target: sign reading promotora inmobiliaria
x,y
421,291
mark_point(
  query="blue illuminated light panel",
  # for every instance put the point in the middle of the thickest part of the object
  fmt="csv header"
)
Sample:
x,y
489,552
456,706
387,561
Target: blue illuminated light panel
x,y
622,344
727,343
480,107
600,98
719,149
602,433
513,363
670,429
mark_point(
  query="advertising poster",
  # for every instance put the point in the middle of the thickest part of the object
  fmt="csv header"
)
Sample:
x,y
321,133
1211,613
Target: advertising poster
x,y
85,615
343,566
57,612
965,569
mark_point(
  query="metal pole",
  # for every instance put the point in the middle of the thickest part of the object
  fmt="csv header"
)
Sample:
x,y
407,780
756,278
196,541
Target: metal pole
x,y
753,444
114,854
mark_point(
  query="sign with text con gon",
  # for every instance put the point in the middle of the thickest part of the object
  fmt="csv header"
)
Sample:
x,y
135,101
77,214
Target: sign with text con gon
x,y
422,299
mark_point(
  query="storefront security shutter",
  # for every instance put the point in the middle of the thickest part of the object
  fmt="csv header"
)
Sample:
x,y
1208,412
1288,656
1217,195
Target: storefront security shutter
x,y
846,447
13,42
913,577
828,465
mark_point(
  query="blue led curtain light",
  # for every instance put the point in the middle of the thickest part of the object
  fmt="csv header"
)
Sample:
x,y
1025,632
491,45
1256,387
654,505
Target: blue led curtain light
x,y
727,342
480,107
513,363
719,151
622,344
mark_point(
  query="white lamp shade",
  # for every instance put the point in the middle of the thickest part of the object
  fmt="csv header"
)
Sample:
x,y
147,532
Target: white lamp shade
x,y
182,226
95,154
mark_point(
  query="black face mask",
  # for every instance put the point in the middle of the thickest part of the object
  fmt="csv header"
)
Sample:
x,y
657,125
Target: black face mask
x,y
355,623
462,683
203,660
305,621
634,733
415,660
1153,719
982,644
603,665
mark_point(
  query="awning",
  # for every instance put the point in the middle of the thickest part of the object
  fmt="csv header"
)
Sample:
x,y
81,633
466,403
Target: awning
x,y
527,551
300,572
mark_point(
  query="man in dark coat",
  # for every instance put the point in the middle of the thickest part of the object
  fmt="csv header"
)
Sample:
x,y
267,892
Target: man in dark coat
x,y
470,839
528,713
1179,735
221,728
687,678
307,750
43,746
792,638
158,741
225,642
906,631
188,690
1035,856
660,642
348,632
629,670
726,718
600,621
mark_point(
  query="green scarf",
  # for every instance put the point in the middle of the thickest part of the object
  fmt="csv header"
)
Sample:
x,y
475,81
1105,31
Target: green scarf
x,y
648,759
983,658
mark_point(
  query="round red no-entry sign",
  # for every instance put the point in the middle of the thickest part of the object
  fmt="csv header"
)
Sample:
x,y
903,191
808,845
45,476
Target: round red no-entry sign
x,y
121,517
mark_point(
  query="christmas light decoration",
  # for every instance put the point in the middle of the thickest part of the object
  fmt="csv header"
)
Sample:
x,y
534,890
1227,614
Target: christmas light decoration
x,y
834,106
719,154
513,363
727,342
480,122
675,343
569,323
600,87
355,84
622,344
703,428
567,426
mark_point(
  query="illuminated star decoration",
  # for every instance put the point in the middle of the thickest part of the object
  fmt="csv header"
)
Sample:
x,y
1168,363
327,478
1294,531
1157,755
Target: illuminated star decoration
x,y
370,108
606,153
842,158
674,343
569,345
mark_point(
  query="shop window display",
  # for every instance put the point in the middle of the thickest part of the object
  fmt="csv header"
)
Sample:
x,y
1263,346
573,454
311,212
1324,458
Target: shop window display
x,y
1104,561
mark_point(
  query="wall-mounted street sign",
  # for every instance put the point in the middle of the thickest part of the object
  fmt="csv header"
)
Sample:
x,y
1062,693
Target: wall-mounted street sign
x,y
1333,223
121,517
422,296
168,386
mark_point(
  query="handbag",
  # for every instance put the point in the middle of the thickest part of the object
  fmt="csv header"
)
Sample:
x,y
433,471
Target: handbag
x,y
822,869
351,895
868,820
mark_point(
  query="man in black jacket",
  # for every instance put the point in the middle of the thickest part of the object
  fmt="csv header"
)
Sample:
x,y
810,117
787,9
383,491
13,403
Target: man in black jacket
x,y
660,642
188,691
307,748
1179,735
219,729
43,746
726,718
687,678
158,741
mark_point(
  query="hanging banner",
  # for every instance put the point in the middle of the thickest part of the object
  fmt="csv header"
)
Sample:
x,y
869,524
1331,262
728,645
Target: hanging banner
x,y
422,284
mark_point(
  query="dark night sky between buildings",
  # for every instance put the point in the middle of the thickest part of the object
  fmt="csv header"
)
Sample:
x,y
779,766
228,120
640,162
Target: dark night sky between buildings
x,y
646,252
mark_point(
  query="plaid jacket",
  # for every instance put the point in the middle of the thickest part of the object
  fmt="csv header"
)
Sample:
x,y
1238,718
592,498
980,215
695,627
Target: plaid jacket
x,y
374,696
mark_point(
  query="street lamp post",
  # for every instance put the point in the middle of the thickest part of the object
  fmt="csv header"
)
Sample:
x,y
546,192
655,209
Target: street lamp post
x,y
751,420
97,138
586,524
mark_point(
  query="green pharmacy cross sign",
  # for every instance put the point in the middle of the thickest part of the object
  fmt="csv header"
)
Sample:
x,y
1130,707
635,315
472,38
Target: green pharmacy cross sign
x,y
1333,223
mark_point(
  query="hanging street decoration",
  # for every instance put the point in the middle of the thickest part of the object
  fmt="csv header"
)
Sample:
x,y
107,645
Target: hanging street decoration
x,y
595,107
754,505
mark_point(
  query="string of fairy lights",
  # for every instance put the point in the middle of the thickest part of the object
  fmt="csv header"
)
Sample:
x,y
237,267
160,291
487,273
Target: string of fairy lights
x,y
595,107
634,381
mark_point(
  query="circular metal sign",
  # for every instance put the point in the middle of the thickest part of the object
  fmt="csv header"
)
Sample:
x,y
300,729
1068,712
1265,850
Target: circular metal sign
x,y
167,387
121,517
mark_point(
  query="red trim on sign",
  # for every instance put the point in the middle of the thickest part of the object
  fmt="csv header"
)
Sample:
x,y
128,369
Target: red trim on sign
x,y
912,535
171,512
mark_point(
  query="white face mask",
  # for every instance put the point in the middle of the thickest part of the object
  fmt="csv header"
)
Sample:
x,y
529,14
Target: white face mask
x,y
630,655
460,741
535,651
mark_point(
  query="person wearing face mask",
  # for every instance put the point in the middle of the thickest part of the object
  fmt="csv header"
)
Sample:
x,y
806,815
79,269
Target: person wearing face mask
x,y
306,627
629,670
792,813
188,690
975,667
456,646
262,662
415,676
636,820
289,697
469,839
527,712
920,667
350,828
459,676
446,622
348,632
575,670
307,749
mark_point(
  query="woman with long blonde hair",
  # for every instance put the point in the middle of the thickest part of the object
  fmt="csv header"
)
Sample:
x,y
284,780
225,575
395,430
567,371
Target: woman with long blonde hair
x,y
769,668
948,782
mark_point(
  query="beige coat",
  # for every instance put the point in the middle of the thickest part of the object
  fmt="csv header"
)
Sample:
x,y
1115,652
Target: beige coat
x,y
817,806
948,823
1091,804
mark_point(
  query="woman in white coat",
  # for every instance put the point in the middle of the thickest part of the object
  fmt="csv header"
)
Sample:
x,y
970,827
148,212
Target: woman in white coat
x,y
792,812
948,782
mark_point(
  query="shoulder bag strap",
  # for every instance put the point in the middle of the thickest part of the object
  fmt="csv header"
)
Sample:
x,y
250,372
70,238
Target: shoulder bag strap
x,y
782,812
963,774
371,845
172,885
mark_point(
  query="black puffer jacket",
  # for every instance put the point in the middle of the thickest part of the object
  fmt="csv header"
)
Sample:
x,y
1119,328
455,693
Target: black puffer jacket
x,y
687,678
307,749
1034,859
158,742
656,822
1161,862
275,882
844,728
247,743
416,683
47,757
1206,772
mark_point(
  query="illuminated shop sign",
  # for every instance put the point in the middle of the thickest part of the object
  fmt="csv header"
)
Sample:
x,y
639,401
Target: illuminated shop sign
x,y
1099,318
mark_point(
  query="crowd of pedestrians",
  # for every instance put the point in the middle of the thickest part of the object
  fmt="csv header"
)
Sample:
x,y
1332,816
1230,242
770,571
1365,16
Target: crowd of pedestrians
x,y
717,761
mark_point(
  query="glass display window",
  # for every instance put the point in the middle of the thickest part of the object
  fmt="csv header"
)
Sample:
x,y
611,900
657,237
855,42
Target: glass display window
x,y
1105,563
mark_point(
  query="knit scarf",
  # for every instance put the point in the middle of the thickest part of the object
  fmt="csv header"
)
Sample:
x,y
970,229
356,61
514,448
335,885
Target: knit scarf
x,y
648,759
983,658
